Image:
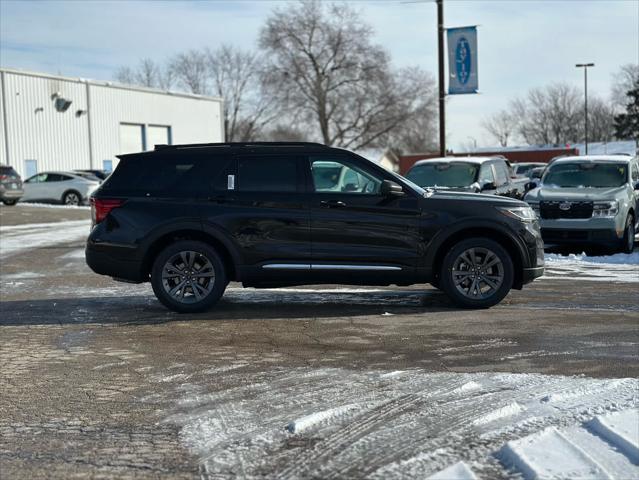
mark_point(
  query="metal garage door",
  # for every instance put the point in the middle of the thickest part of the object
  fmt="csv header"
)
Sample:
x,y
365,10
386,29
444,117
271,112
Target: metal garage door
x,y
131,137
158,135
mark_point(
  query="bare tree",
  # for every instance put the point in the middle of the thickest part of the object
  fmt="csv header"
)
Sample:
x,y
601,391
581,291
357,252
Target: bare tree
x,y
147,73
550,115
236,76
601,120
326,69
190,70
501,126
626,79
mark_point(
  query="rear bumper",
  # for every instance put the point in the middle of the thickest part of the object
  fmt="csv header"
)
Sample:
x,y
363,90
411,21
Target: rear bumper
x,y
118,261
529,274
12,194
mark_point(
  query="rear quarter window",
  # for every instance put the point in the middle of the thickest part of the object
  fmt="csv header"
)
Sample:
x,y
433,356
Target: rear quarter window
x,y
169,174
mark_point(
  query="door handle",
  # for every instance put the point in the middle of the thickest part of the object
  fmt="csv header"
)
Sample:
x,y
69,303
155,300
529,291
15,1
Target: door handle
x,y
332,204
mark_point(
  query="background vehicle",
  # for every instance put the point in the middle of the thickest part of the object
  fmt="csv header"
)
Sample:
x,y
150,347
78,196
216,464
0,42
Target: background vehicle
x,y
10,185
65,187
100,174
281,214
525,169
490,175
589,200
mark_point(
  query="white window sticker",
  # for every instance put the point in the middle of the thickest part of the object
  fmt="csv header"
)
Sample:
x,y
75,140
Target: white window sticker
x,y
231,182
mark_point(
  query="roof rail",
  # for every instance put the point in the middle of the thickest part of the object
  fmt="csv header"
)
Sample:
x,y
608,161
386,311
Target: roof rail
x,y
242,144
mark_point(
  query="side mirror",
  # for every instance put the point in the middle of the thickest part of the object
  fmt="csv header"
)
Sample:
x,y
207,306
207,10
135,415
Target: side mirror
x,y
489,186
530,186
636,185
391,189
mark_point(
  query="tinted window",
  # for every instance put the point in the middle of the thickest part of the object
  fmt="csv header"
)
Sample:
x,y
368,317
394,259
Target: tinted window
x,y
55,177
635,172
332,175
8,171
267,174
183,173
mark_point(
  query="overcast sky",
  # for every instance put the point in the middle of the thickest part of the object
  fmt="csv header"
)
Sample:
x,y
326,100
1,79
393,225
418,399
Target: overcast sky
x,y
522,44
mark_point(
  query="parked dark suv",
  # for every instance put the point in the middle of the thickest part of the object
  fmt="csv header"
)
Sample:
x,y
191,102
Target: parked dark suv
x,y
191,218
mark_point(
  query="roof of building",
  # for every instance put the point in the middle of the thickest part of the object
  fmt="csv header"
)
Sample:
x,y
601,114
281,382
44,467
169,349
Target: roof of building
x,y
103,83
475,160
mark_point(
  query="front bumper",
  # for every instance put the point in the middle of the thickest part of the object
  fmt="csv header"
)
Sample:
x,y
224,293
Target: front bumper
x,y
591,231
529,274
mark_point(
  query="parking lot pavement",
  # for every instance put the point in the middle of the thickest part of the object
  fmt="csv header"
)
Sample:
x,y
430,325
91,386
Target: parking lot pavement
x,y
98,379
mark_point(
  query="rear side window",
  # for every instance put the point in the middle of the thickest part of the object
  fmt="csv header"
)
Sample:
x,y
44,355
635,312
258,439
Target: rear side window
x,y
9,171
167,174
268,174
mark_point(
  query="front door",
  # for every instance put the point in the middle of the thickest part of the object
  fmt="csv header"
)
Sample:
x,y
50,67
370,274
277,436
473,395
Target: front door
x,y
353,226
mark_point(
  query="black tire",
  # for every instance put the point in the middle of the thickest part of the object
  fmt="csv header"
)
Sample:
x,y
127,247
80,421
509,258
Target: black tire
x,y
9,203
189,303
476,277
72,198
628,244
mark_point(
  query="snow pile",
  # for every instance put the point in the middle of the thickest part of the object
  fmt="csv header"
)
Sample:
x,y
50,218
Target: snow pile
x,y
620,267
411,424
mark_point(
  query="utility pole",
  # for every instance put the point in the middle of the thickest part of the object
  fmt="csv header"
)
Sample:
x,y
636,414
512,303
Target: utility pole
x,y
442,85
585,67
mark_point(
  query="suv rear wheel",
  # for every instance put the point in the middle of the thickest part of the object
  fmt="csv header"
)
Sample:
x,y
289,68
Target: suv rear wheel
x,y
188,276
477,273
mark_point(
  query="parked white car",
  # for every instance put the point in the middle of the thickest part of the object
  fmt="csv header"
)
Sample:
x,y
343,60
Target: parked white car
x,y
66,187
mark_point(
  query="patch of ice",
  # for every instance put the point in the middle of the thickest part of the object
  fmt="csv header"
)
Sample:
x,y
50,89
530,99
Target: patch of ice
x,y
458,471
468,387
620,429
31,236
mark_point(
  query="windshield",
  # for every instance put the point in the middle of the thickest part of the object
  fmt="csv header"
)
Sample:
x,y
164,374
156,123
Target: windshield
x,y
586,174
436,174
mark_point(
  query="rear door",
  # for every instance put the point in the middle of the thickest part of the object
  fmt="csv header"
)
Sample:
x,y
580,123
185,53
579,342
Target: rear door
x,y
353,226
261,202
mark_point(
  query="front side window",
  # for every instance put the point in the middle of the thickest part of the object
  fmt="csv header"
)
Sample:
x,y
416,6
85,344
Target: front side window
x,y
501,174
586,174
332,175
41,177
267,174
440,174
635,172
486,175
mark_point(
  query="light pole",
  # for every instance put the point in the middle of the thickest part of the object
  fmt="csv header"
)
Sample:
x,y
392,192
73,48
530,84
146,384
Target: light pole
x,y
442,87
585,67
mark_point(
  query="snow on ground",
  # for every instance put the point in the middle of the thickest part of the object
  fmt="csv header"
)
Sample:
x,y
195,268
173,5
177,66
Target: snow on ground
x,y
339,423
17,238
620,267
53,205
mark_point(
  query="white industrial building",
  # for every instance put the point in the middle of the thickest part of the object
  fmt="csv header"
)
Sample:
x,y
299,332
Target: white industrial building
x,y
49,122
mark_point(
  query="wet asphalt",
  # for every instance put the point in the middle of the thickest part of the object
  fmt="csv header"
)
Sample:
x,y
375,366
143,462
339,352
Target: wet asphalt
x,y
83,357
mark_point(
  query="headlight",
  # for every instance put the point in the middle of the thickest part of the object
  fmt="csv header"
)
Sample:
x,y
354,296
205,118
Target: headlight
x,y
523,214
535,207
605,209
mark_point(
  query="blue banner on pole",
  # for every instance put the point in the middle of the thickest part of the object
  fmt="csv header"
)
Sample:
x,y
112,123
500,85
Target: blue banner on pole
x,y
462,60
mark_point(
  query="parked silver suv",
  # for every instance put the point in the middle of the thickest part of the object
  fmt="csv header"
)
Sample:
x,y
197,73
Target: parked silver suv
x,y
589,200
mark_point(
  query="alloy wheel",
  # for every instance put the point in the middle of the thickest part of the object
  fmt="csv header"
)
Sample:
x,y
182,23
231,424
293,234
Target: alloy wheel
x,y
478,273
188,277
71,199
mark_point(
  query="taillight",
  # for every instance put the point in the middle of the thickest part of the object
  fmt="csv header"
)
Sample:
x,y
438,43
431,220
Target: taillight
x,y
100,207
4,177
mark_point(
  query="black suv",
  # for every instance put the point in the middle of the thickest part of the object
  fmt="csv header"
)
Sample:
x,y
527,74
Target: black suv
x,y
191,218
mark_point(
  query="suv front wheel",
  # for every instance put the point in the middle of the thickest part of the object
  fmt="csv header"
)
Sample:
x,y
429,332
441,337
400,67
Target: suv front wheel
x,y
188,276
477,273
